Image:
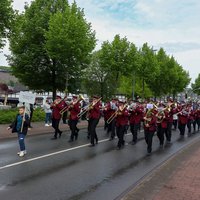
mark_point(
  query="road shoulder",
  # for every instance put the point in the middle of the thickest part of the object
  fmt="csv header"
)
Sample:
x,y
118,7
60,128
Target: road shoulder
x,y
173,179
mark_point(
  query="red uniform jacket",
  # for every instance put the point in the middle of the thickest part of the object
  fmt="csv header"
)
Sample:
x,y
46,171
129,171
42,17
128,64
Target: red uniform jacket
x,y
122,120
171,113
191,115
182,119
198,114
74,111
108,112
135,116
95,112
165,120
152,125
56,110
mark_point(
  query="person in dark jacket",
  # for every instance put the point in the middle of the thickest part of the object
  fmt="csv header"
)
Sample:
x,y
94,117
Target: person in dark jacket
x,y
74,108
20,126
56,107
121,123
149,129
94,115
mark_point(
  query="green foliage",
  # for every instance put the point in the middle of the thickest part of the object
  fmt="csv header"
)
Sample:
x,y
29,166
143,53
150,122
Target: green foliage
x,y
5,68
51,41
6,14
115,59
118,67
96,78
196,85
51,47
7,116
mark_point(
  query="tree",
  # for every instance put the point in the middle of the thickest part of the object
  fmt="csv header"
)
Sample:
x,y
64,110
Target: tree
x,y
196,85
96,79
148,67
118,58
6,14
50,42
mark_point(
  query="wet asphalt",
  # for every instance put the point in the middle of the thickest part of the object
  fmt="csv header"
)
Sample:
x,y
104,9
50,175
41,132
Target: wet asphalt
x,y
77,171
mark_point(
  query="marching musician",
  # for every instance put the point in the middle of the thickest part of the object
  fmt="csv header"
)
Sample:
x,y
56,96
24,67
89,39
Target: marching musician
x,y
121,123
74,108
106,116
56,107
182,120
190,119
94,115
110,110
160,124
149,129
135,112
171,111
198,118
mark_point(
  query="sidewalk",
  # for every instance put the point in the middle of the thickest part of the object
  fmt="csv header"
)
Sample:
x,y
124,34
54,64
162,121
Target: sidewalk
x,y
39,128
177,179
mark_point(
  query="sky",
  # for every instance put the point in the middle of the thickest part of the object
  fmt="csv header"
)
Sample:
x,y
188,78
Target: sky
x,y
172,24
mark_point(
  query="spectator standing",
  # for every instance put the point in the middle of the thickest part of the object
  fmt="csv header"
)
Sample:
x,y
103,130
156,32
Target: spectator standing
x,y
48,112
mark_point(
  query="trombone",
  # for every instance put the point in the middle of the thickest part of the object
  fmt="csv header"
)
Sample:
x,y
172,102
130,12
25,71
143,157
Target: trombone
x,y
114,115
66,108
56,103
89,107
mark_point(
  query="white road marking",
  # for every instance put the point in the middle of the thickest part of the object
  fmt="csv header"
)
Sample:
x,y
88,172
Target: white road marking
x,y
51,154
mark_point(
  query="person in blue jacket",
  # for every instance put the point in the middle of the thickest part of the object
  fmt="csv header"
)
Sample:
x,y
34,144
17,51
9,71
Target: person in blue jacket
x,y
20,126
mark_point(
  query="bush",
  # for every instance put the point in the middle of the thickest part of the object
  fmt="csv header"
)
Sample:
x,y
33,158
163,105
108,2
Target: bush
x,y
7,116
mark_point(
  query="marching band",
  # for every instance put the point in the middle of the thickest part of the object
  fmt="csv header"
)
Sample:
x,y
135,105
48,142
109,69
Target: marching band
x,y
156,117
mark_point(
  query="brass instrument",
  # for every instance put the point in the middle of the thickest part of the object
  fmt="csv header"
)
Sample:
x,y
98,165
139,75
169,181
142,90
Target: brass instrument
x,y
89,107
160,116
114,115
148,118
58,102
66,108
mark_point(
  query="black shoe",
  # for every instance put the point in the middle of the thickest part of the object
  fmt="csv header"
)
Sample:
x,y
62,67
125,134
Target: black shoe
x,y
133,142
76,137
111,139
97,141
54,138
88,137
70,140
91,145
168,142
60,134
161,146
148,153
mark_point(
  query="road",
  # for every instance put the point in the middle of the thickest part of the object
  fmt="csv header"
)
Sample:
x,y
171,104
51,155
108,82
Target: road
x,y
58,170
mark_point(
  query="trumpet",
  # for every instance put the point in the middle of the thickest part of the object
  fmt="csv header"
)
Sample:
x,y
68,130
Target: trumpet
x,y
89,107
66,108
114,115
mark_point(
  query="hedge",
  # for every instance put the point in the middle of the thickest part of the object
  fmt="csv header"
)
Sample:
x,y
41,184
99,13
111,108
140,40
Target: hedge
x,y
7,116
